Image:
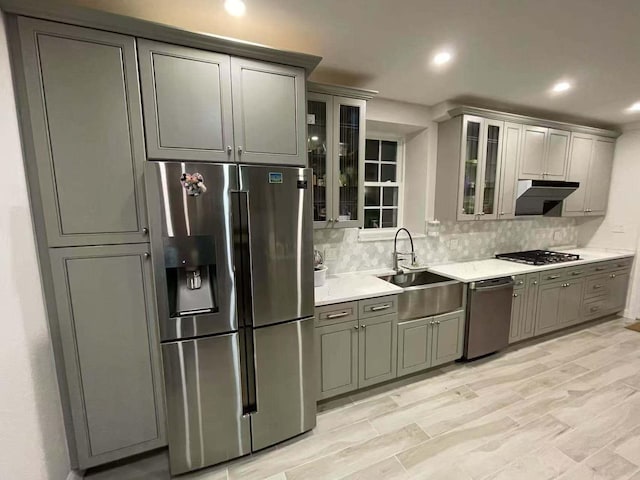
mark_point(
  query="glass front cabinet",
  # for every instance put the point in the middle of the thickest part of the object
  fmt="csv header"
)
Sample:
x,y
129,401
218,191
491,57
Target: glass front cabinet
x,y
335,150
481,153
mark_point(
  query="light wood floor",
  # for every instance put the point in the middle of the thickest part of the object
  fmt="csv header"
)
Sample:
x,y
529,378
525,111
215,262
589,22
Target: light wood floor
x,y
566,407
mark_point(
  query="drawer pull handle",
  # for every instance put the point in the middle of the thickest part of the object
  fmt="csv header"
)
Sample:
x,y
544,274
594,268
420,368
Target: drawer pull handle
x,y
620,265
521,282
553,277
595,309
576,273
380,307
599,269
337,315
597,287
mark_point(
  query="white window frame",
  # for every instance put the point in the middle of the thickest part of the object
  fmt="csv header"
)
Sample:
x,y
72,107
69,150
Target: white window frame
x,y
372,234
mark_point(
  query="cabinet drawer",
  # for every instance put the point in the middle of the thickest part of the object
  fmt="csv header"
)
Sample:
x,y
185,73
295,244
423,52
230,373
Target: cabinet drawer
x,y
622,263
551,276
597,286
598,267
594,309
577,272
336,313
374,307
519,281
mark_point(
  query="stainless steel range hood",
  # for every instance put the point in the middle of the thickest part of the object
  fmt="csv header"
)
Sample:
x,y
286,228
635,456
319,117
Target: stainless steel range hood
x,y
543,197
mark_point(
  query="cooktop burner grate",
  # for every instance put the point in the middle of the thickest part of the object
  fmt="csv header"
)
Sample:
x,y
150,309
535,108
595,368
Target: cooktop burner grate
x,y
538,257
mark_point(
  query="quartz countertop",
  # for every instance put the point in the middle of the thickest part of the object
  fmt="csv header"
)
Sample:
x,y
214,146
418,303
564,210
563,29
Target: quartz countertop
x,y
493,268
347,288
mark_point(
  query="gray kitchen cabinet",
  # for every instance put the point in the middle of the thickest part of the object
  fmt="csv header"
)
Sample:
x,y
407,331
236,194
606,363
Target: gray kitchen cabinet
x,y
570,307
523,309
448,338
517,315
377,350
512,139
187,102
559,305
544,153
337,349
268,112
82,107
414,345
590,164
108,328
618,287
547,308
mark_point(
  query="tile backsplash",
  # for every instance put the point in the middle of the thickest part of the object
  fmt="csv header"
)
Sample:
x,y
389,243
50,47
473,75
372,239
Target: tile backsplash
x,y
458,242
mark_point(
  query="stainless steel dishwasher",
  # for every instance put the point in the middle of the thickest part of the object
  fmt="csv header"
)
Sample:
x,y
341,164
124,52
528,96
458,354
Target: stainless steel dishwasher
x,y
488,317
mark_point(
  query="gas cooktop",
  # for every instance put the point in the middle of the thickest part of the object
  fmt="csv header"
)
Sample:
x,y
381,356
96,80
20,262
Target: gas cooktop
x,y
538,257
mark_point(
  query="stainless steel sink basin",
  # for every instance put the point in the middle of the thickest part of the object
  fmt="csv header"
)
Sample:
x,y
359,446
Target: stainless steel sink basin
x,y
426,294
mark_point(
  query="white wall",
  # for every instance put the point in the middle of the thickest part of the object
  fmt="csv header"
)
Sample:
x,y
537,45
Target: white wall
x,y
621,226
32,438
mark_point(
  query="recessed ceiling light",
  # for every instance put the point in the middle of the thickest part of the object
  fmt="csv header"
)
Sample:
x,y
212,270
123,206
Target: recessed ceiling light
x,y
315,138
237,8
635,107
561,87
442,58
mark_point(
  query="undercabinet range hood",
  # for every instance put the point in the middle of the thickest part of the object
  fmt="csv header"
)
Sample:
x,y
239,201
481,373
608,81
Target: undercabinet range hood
x,y
543,197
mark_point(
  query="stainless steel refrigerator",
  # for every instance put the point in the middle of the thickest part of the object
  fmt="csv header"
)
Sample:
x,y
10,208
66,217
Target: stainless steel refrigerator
x,y
233,262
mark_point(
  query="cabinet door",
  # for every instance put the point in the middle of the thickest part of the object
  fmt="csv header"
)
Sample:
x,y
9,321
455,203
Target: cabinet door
x,y
337,349
108,324
509,170
471,165
86,128
517,315
268,112
556,155
530,307
570,308
448,338
618,287
547,308
348,157
490,173
579,161
319,155
532,157
414,345
378,350
600,176
187,102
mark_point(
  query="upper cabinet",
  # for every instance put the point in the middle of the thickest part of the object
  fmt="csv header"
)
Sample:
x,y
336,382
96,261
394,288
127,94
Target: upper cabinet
x,y
335,150
205,106
544,153
469,163
511,140
590,163
83,106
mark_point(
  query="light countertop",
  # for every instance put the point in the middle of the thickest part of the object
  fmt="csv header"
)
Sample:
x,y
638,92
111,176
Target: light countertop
x,y
492,268
347,288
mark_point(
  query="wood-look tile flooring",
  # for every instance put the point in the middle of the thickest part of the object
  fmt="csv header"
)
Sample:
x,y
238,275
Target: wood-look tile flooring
x,y
566,407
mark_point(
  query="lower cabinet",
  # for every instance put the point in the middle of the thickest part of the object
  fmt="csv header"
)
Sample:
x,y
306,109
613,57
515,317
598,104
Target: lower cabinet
x,y
429,342
377,350
107,324
618,285
524,308
559,305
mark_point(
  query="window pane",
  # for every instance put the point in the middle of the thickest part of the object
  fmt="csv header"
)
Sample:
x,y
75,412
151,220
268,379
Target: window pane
x,y
371,150
371,196
389,218
371,172
389,151
388,173
390,196
372,218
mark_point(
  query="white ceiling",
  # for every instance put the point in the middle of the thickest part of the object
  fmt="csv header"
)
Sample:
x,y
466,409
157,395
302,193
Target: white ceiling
x,y
507,52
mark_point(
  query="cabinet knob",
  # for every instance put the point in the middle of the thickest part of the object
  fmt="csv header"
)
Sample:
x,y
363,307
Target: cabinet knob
x,y
240,149
145,230
356,327
515,295
501,213
535,282
613,275
438,322
363,326
146,255
229,149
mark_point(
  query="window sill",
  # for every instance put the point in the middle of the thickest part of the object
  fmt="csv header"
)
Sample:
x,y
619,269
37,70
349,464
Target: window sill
x,y
380,234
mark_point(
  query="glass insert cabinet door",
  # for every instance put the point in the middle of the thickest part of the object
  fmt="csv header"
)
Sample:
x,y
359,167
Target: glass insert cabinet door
x,y
320,154
480,168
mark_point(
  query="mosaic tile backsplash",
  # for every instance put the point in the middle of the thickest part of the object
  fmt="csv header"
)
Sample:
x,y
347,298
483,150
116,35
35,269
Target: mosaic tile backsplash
x,y
458,242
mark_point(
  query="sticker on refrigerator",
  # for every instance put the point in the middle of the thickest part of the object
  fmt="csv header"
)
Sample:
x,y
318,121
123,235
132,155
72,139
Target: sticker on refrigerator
x,y
193,183
275,177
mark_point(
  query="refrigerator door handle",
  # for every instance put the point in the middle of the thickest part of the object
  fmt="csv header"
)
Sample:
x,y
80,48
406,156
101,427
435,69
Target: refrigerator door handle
x,y
242,261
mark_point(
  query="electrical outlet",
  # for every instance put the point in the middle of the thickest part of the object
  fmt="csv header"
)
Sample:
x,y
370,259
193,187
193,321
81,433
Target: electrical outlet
x,y
331,254
557,236
453,243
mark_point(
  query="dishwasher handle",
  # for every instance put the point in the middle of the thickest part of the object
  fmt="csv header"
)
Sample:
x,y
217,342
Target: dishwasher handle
x,y
493,284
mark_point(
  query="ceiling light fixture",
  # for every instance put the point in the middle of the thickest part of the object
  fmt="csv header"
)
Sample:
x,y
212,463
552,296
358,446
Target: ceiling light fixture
x,y
634,108
237,8
442,58
561,87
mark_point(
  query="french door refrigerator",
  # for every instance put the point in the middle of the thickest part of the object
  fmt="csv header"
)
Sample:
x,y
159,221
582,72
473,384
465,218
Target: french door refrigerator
x,y
232,249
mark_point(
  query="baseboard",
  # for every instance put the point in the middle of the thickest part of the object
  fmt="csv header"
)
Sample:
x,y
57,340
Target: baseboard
x,y
628,313
75,475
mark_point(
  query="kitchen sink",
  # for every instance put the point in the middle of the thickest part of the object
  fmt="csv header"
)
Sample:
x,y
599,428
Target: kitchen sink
x,y
426,294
